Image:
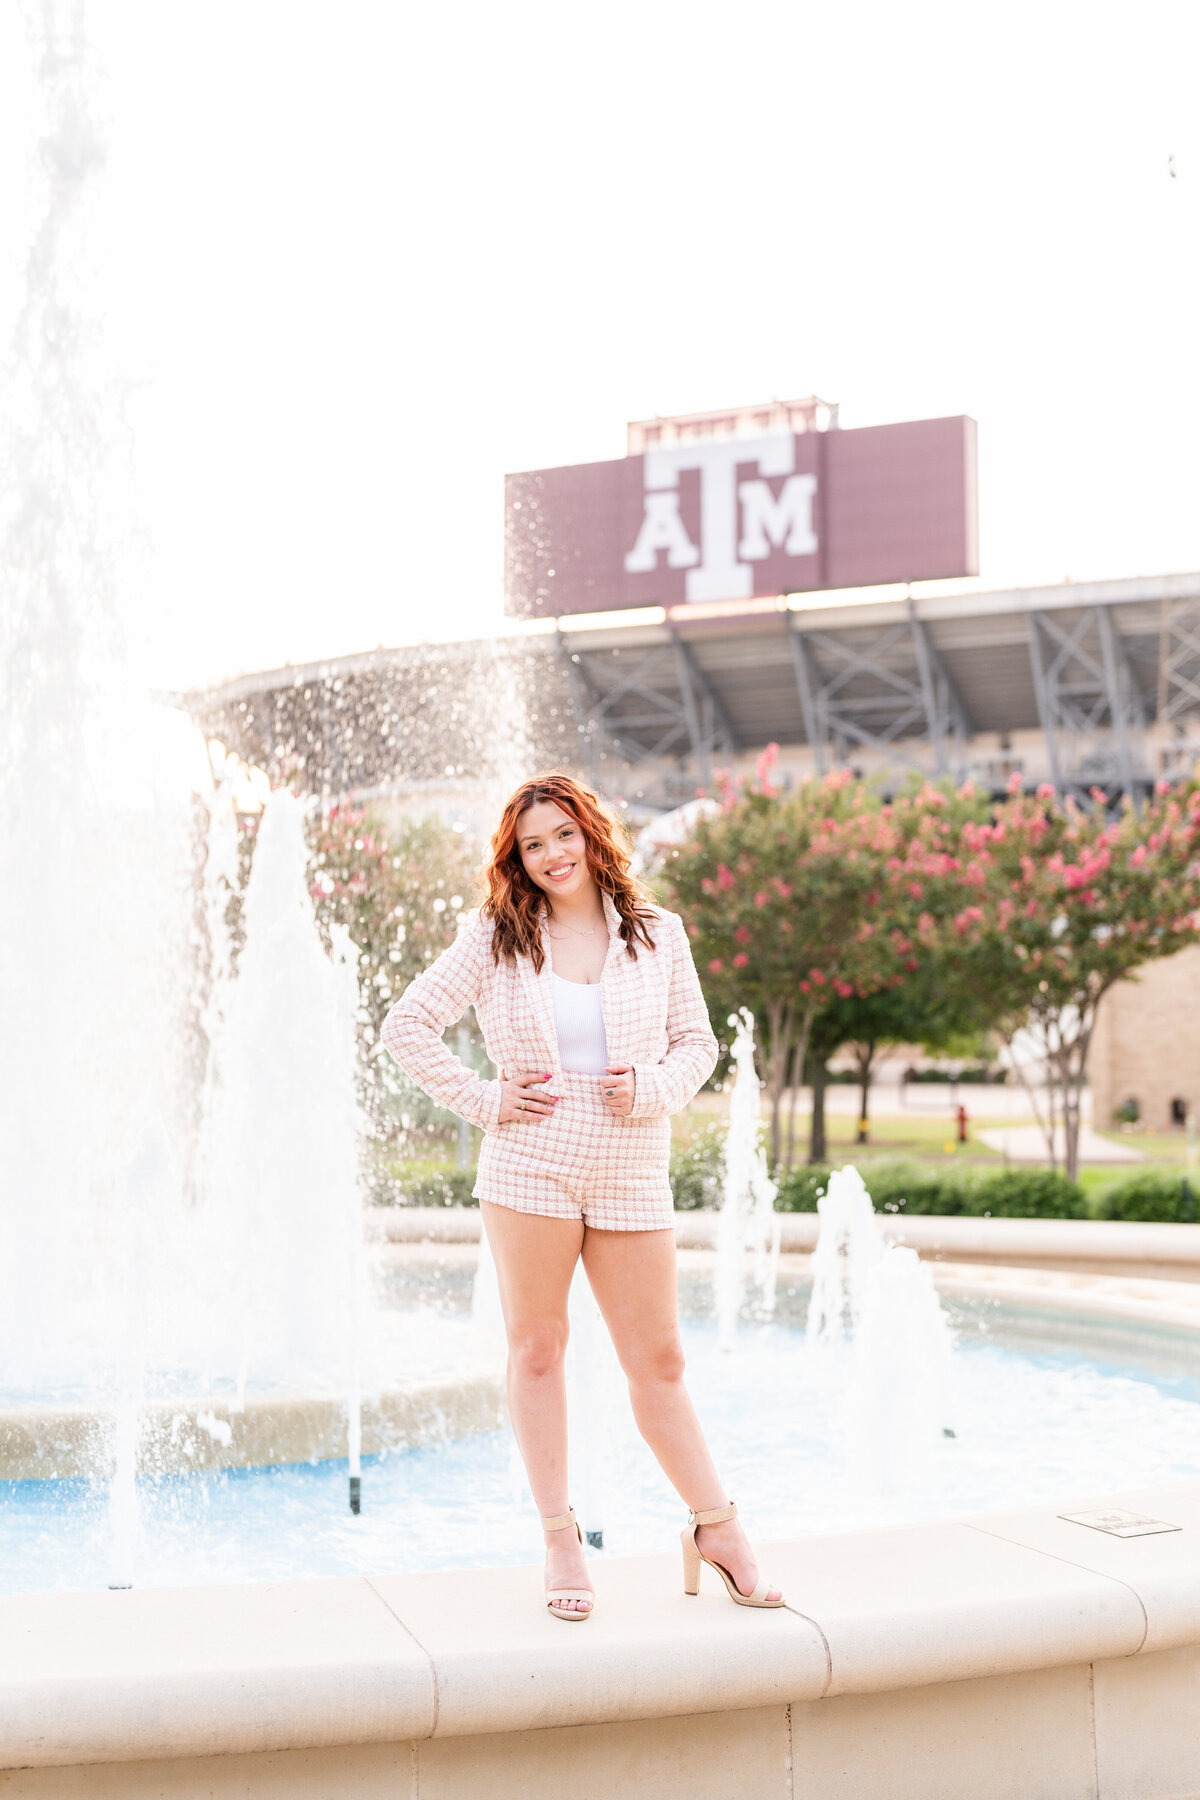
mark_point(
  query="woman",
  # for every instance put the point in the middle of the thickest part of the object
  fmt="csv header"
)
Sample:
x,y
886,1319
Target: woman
x,y
590,1007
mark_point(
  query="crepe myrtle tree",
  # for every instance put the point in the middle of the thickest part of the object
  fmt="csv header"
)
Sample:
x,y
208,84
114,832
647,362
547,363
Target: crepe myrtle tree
x,y
926,1008
1059,902
402,891
790,899
922,1001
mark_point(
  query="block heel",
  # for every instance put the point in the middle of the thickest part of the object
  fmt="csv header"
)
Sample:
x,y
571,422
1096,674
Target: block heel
x,y
693,1556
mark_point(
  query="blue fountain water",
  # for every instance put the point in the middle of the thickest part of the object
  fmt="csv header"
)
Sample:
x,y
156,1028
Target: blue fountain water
x,y
1034,1426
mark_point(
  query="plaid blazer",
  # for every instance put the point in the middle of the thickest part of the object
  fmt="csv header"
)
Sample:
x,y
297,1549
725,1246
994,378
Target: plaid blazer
x,y
655,1018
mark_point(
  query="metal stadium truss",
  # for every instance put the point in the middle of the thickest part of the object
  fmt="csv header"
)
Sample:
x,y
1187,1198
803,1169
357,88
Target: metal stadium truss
x,y
1080,684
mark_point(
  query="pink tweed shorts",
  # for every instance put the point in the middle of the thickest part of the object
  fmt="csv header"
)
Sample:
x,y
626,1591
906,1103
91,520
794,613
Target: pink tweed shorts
x,y
581,1163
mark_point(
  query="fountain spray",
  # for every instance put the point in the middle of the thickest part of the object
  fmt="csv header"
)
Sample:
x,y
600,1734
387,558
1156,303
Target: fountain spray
x,y
877,1337
747,1220
345,963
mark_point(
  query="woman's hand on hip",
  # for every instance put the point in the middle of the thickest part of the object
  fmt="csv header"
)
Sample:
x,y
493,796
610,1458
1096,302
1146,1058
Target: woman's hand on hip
x,y
520,1101
617,1085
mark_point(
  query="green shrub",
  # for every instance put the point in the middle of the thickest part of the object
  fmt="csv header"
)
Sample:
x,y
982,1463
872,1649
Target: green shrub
x,y
983,1076
697,1169
897,1187
893,1187
1026,1194
905,1187
800,1188
394,1186
1151,1194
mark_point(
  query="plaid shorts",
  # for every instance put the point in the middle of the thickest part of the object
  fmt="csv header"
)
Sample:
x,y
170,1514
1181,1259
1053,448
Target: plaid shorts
x,y
581,1163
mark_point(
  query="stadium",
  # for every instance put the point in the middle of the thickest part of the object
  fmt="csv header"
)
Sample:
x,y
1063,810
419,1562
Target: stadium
x,y
639,656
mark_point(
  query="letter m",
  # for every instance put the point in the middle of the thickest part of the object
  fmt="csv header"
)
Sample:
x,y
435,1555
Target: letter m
x,y
786,522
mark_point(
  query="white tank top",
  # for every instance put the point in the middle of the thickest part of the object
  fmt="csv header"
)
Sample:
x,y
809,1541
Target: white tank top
x,y
579,1022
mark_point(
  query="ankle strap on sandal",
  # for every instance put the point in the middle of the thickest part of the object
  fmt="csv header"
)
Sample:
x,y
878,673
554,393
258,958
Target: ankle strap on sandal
x,y
717,1516
560,1520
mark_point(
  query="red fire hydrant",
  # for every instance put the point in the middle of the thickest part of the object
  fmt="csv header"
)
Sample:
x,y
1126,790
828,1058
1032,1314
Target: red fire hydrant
x,y
961,1116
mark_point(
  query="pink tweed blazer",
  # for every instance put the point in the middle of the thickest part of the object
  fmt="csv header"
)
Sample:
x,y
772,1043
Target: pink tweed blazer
x,y
655,1019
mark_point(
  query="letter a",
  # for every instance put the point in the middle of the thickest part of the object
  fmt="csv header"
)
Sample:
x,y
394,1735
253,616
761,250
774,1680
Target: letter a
x,y
662,529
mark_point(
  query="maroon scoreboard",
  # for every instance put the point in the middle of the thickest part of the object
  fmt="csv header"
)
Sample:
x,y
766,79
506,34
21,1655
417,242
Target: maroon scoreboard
x,y
727,517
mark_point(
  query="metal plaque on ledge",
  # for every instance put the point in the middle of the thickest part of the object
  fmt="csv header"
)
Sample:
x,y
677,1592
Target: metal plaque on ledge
x,y
1120,1524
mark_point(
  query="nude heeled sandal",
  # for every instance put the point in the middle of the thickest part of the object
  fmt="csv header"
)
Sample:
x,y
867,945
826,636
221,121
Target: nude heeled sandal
x,y
693,1556
560,1523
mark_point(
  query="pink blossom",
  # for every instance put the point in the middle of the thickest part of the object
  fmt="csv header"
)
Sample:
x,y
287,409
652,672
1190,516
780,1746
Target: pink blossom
x,y
816,977
725,878
740,960
742,934
763,767
1139,856
1014,782
715,966
1045,790
761,898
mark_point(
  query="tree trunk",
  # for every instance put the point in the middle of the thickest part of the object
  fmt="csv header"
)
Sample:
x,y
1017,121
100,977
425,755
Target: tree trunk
x,y
1045,1126
799,1052
817,1147
780,1023
793,1087
1074,1073
864,1056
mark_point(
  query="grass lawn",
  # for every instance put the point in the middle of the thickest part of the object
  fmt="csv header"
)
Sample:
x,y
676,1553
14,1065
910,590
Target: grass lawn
x,y
920,1139
1155,1146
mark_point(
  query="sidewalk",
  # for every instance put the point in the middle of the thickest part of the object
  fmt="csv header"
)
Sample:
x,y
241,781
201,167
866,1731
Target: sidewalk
x,y
1027,1144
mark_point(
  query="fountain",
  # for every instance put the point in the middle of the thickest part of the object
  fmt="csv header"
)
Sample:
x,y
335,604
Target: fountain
x,y
895,1395
182,1271
747,1221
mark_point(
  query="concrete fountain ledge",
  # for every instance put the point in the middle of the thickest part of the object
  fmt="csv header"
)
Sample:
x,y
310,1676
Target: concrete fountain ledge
x,y
1110,1246
1009,1657
56,1443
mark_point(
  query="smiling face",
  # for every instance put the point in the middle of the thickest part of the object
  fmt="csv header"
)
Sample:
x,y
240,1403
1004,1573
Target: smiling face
x,y
553,851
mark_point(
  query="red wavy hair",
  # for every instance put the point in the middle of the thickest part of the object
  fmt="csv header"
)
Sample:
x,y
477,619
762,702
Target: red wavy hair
x,y
514,903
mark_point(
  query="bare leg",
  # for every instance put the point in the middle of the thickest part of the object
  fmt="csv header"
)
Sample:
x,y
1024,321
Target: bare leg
x,y
632,1274
535,1259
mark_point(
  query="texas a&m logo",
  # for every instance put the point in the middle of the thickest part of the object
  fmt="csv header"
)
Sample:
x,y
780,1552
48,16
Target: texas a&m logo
x,y
740,520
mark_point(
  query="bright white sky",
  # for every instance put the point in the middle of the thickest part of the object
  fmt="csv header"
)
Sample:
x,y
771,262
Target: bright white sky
x,y
364,257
